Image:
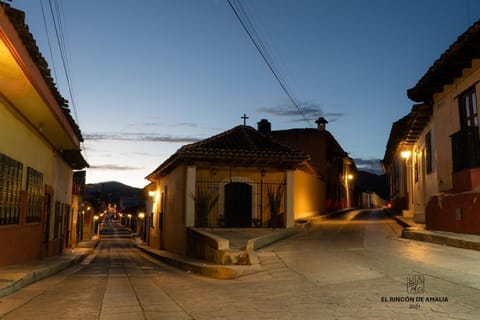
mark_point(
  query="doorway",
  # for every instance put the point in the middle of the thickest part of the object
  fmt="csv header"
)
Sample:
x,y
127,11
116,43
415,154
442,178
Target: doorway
x,y
238,205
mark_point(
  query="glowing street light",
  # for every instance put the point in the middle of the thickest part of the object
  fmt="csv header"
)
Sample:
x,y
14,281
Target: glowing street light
x,y
406,154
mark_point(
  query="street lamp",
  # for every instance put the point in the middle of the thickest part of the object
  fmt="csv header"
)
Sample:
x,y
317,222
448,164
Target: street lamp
x,y
406,154
141,216
129,220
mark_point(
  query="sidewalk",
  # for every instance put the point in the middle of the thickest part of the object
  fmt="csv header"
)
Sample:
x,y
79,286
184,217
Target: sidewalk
x,y
416,231
15,277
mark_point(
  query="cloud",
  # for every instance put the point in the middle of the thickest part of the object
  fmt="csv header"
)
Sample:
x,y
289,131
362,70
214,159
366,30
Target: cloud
x,y
309,111
117,136
150,124
370,165
114,167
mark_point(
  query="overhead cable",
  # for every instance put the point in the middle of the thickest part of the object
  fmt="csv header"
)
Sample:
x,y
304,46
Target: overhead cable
x,y
242,17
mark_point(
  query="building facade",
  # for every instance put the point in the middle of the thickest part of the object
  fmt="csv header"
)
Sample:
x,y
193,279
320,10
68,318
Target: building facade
x,y
39,149
433,153
238,178
327,158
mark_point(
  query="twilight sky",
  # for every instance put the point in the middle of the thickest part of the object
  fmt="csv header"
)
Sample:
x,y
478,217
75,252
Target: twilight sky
x,y
149,76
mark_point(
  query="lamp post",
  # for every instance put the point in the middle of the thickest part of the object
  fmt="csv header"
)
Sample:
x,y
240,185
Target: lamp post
x,y
96,229
348,179
129,220
141,216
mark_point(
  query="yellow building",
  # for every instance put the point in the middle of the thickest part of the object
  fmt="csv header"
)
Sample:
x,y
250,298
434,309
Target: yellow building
x,y
327,158
433,154
238,178
39,148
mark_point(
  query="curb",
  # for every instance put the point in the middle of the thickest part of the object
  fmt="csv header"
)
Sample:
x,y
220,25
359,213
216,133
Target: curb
x,y
268,239
451,240
216,271
48,268
445,238
39,274
308,221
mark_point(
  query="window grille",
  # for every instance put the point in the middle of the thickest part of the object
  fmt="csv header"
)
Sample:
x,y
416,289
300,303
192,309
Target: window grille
x,y
34,195
10,188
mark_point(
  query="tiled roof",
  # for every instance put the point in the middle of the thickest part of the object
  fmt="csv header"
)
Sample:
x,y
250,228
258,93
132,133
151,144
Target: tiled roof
x,y
407,130
449,66
239,145
17,18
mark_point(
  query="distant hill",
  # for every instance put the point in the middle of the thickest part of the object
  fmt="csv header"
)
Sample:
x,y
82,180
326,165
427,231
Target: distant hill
x,y
370,182
113,192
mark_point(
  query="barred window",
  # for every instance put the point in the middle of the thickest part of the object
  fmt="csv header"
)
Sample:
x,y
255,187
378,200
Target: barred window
x,y
10,187
34,195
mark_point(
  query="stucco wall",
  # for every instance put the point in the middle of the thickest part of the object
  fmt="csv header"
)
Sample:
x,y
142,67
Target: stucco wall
x,y
308,195
446,121
454,213
170,203
427,183
21,141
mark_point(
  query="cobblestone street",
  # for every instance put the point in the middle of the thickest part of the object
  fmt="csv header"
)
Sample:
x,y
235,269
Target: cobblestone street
x,y
352,267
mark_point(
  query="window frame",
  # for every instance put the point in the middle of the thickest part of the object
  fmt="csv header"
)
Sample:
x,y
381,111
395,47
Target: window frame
x,y
468,108
34,196
11,174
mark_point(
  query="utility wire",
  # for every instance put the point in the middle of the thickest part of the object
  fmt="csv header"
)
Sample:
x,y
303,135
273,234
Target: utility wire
x,y
256,40
58,26
48,40
57,23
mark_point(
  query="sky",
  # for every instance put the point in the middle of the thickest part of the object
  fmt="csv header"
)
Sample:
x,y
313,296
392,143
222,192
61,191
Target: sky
x,y
149,76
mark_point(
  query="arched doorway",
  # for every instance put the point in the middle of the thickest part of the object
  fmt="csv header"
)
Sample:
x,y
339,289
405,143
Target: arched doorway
x,y
238,204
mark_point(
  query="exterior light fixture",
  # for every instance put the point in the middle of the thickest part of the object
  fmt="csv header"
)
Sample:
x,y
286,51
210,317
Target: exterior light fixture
x,y
141,215
350,177
151,194
406,154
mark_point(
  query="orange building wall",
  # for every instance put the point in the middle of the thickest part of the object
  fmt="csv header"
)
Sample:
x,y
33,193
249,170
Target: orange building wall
x,y
20,244
454,213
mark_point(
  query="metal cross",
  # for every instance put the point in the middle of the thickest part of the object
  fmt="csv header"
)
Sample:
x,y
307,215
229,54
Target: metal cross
x,y
244,119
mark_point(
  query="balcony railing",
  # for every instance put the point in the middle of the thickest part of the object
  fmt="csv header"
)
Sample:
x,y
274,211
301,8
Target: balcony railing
x,y
466,149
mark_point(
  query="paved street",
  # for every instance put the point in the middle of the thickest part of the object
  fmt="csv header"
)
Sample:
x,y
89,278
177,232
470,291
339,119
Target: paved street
x,y
354,266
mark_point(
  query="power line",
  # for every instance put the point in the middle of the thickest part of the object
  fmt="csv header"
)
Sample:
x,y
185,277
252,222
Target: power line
x,y
55,11
48,40
256,40
58,26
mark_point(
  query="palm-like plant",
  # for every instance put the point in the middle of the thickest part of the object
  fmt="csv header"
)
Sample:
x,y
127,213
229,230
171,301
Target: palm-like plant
x,y
205,201
275,196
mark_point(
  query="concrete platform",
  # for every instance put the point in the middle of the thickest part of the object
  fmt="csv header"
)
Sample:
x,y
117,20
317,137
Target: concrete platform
x,y
417,231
